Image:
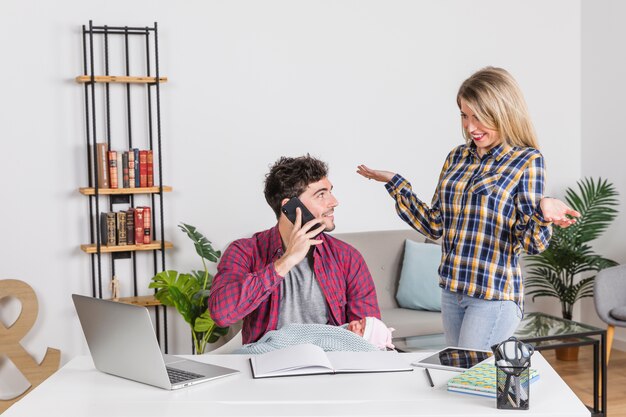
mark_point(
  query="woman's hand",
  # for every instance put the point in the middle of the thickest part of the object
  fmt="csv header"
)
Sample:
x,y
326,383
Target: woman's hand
x,y
556,211
373,174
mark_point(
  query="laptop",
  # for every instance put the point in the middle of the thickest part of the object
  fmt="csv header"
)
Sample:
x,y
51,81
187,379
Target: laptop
x,y
122,342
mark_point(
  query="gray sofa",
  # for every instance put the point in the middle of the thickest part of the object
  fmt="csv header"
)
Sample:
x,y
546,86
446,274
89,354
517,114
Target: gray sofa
x,y
383,252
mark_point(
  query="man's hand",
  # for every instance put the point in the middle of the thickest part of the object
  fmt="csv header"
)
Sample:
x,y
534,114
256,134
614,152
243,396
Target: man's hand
x,y
556,211
298,243
373,174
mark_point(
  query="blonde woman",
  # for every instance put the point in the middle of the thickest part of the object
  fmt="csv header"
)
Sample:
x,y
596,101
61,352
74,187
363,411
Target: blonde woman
x,y
488,208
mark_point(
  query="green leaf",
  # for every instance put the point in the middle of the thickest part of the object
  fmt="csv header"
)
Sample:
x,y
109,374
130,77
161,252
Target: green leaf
x,y
162,282
562,270
201,297
200,276
595,201
189,293
203,323
182,304
217,333
202,244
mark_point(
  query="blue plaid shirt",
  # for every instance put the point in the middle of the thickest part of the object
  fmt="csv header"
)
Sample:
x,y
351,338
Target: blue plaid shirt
x,y
486,210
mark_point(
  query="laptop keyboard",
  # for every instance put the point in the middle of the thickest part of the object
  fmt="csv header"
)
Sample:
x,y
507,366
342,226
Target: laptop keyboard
x,y
177,375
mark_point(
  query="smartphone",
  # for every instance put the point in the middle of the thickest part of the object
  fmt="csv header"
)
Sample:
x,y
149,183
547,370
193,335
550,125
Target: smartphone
x,y
290,211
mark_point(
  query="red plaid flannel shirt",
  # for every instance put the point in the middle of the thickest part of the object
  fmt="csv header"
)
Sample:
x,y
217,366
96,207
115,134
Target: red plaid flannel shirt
x,y
247,286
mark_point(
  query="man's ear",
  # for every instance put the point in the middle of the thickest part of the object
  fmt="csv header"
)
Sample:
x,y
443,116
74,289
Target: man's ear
x,y
280,212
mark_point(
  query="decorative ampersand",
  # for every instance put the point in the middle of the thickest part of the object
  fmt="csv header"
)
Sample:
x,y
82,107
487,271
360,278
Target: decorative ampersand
x,y
10,338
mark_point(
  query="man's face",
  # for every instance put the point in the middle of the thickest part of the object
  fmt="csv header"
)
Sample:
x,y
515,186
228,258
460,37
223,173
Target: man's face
x,y
321,202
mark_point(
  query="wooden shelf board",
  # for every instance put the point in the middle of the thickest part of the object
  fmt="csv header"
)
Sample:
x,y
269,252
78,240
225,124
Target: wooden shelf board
x,y
156,244
142,300
123,191
119,79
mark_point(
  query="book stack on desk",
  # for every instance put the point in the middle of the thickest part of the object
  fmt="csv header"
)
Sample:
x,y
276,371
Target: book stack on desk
x,y
480,380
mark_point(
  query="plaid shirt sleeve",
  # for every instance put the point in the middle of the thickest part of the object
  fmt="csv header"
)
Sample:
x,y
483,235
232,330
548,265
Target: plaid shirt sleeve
x,y
361,292
424,219
237,290
532,231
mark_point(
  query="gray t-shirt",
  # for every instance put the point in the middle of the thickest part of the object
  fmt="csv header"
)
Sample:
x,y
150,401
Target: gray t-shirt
x,y
301,298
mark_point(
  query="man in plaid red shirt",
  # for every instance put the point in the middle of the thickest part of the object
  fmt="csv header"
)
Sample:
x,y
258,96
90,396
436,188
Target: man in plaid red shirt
x,y
293,273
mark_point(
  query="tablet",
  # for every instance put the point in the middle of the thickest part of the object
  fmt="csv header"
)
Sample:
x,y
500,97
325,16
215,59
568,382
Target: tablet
x,y
454,359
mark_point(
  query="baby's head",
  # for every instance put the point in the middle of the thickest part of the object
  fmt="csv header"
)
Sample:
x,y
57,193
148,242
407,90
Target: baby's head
x,y
373,330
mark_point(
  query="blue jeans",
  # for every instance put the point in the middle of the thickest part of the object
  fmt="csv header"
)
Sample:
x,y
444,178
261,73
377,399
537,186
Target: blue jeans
x,y
475,323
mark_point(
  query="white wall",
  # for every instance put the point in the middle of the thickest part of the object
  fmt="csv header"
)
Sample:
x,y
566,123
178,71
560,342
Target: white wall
x,y
348,81
603,144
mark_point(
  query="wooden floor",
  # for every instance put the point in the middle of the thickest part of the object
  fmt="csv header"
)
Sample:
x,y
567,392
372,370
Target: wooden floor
x,y
579,376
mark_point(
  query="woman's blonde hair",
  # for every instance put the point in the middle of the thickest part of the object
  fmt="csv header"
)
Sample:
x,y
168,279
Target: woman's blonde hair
x,y
497,101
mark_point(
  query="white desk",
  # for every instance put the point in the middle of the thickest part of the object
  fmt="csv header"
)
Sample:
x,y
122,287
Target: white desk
x,y
78,390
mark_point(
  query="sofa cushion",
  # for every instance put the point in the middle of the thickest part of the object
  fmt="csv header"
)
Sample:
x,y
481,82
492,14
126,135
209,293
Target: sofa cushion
x,y
412,322
419,280
383,253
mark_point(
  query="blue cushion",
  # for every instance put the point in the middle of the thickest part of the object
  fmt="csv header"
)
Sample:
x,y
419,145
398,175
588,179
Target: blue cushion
x,y
418,288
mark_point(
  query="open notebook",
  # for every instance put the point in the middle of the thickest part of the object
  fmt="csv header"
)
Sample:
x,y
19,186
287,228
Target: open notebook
x,y
308,359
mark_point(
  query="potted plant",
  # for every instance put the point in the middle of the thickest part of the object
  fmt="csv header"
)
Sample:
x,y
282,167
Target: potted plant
x,y
567,268
189,292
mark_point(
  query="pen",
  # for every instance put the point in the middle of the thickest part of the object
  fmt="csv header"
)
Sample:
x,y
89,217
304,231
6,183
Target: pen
x,y
430,379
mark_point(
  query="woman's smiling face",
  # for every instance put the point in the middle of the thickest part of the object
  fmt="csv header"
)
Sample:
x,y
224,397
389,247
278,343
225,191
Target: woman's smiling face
x,y
484,138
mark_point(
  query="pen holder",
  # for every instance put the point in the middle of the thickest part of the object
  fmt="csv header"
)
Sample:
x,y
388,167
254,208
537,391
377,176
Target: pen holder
x,y
513,387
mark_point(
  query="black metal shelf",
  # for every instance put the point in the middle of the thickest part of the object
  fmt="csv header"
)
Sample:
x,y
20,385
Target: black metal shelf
x,y
97,52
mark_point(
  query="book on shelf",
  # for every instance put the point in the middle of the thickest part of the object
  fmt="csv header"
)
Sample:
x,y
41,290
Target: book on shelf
x,y
131,169
120,170
104,229
150,168
125,183
147,221
309,359
102,166
108,233
112,169
137,175
138,225
130,226
143,168
121,228
480,380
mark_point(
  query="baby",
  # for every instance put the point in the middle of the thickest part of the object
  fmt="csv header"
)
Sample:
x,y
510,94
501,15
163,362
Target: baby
x,y
368,334
374,331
